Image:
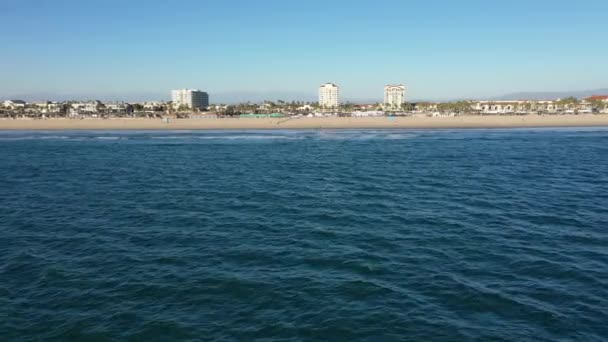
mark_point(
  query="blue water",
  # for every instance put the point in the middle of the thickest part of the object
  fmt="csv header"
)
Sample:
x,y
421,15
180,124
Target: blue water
x,y
447,235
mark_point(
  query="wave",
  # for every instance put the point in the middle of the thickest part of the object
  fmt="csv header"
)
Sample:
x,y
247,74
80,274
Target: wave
x,y
110,138
342,235
36,137
365,135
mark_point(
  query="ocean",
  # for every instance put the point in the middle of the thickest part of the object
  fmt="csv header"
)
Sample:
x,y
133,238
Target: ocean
x,y
346,235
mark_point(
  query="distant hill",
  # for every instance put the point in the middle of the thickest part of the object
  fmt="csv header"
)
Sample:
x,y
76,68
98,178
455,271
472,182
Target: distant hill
x,y
551,95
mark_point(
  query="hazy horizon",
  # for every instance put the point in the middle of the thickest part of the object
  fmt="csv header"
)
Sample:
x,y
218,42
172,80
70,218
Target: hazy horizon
x,y
259,97
281,50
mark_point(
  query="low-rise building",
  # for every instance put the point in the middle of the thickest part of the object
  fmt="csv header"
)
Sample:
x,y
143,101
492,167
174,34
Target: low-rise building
x,y
305,108
118,107
219,108
366,107
14,104
599,103
264,107
90,107
585,107
603,98
497,107
93,106
49,107
514,107
154,106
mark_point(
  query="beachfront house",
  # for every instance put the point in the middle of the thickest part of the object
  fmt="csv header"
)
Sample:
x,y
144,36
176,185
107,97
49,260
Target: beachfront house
x,y
154,106
599,103
90,107
514,107
48,107
119,108
14,104
497,107
365,107
585,107
603,98
93,107
219,108
265,107
305,108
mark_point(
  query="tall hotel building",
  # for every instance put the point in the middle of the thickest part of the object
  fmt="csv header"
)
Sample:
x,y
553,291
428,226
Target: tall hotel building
x,y
394,96
193,99
329,96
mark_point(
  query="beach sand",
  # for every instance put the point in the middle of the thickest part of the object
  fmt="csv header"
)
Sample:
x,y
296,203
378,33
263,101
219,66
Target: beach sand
x,y
310,123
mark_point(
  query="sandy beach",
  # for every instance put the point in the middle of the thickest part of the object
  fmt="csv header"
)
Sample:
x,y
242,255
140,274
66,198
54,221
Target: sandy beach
x,y
310,123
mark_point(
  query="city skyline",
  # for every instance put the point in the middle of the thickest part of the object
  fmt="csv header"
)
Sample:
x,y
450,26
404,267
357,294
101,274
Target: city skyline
x,y
311,96
473,49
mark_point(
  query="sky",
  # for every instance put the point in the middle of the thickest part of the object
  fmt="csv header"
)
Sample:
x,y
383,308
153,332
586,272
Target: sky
x,y
245,49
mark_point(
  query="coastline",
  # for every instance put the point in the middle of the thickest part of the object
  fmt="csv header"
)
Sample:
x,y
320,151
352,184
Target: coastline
x,y
503,121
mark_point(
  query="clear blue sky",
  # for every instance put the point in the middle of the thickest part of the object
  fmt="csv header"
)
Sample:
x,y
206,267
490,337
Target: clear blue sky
x,y
440,49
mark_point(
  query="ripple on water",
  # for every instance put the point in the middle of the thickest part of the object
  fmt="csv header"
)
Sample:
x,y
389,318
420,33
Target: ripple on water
x,y
304,235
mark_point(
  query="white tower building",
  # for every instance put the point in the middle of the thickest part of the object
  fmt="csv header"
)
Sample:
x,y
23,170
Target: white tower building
x,y
329,96
192,99
394,96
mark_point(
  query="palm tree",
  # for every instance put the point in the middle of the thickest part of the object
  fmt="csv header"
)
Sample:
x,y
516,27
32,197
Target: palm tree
x,y
568,103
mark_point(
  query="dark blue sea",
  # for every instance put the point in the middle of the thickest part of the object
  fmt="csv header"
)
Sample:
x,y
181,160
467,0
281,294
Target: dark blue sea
x,y
348,235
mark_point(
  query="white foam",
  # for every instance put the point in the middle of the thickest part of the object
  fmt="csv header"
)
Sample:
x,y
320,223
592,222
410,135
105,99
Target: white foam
x,y
109,138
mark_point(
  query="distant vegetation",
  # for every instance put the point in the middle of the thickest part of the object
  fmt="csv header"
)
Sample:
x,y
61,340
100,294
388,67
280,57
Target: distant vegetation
x,y
96,109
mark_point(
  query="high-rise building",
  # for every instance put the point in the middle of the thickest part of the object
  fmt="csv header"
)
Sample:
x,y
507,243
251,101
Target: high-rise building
x,y
192,99
329,96
394,96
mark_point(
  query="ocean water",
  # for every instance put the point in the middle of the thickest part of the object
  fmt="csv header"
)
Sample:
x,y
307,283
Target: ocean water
x,y
449,235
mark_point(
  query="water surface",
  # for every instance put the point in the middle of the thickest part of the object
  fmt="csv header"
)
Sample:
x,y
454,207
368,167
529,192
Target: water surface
x,y
304,235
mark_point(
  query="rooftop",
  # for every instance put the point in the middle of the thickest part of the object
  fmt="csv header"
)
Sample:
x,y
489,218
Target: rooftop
x,y
598,97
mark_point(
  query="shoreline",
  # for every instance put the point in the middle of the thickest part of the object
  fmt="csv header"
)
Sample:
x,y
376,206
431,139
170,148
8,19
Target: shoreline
x,y
456,122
